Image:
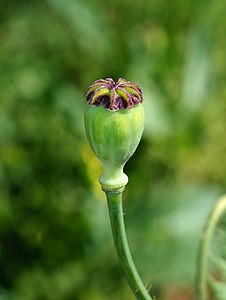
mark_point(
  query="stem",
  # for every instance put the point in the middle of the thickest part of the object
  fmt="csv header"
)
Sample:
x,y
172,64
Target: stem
x,y
202,266
122,248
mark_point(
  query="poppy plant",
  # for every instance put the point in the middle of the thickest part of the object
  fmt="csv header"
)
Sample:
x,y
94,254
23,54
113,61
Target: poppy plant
x,y
114,123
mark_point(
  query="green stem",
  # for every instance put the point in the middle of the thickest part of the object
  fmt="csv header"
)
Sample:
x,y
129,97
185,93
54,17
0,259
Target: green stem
x,y
122,248
202,266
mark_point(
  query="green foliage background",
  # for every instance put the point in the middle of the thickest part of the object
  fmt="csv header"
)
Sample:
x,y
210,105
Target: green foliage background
x,y
55,239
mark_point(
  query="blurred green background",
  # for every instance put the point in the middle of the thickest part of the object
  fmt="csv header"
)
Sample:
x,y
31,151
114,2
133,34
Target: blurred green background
x,y
55,238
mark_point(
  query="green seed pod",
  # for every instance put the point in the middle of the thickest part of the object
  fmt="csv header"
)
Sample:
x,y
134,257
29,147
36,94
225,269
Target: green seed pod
x,y
114,123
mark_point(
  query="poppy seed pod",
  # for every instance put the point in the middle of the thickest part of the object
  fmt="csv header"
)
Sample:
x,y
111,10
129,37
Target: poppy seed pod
x,y
114,122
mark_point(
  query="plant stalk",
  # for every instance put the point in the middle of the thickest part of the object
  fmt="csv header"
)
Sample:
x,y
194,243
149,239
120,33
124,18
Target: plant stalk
x,y
122,248
205,242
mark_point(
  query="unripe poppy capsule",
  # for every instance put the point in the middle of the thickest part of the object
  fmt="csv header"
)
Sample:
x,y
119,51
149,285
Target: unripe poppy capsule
x,y
114,122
